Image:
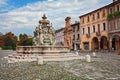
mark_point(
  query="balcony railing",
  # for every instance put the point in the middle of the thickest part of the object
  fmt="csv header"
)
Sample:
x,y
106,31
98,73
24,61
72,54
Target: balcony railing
x,y
113,15
87,35
97,33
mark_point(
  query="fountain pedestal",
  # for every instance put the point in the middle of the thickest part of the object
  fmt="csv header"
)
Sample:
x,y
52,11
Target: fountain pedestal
x,y
41,50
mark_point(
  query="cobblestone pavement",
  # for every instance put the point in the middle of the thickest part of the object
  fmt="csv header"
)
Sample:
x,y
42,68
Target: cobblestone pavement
x,y
105,66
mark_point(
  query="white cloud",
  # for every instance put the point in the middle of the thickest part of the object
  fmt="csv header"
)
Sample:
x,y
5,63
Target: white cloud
x,y
50,0
27,17
3,2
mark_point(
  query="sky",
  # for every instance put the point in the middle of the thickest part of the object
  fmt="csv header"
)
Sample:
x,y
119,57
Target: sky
x,y
22,16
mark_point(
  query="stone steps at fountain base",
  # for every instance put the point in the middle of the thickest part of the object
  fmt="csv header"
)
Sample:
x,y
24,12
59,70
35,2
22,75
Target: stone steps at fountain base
x,y
47,57
63,58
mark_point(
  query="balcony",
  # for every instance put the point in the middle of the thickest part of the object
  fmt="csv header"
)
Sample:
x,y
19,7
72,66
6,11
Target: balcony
x,y
87,35
73,39
97,33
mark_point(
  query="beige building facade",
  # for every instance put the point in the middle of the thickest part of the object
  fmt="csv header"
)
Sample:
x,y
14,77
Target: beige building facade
x,y
76,36
94,31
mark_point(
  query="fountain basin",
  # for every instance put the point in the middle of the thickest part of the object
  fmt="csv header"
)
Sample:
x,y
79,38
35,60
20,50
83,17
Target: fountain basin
x,y
41,49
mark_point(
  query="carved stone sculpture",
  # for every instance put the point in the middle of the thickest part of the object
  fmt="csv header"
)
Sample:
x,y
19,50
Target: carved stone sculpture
x,y
44,34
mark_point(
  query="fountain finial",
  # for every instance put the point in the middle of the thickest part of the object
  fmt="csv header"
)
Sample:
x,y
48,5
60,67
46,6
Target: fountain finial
x,y
44,16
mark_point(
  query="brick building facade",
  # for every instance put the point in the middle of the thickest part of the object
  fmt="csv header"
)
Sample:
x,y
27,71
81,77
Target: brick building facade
x,y
68,33
114,25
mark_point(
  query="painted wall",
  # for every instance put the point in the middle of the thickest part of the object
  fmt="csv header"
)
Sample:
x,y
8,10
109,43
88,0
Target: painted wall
x,y
95,18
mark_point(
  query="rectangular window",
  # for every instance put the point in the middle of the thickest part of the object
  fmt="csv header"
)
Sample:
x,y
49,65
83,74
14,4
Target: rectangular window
x,y
110,10
93,17
104,26
117,7
88,19
88,30
118,24
109,27
78,37
73,29
113,25
78,27
103,13
73,37
98,27
82,20
98,15
83,30
93,28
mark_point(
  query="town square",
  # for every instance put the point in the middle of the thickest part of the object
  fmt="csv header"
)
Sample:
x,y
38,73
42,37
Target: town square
x,y
57,40
105,66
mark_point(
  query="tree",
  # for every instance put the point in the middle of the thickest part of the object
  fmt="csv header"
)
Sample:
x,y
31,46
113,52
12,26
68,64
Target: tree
x,y
25,41
9,43
30,41
23,36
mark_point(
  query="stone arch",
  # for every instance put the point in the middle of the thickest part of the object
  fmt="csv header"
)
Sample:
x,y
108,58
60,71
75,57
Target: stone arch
x,y
95,43
115,42
114,35
104,42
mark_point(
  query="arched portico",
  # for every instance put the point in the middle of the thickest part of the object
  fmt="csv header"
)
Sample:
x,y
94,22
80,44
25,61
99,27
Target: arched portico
x,y
95,43
103,42
115,42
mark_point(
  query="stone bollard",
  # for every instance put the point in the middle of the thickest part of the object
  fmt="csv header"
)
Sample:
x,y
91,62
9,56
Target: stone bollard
x,y
40,59
76,53
88,58
94,54
119,51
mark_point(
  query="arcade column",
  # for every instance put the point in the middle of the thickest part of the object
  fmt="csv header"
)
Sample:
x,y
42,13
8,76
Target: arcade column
x,y
74,46
110,44
99,44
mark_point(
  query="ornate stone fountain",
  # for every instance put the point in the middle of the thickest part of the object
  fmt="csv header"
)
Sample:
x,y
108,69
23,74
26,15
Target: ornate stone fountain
x,y
44,34
44,40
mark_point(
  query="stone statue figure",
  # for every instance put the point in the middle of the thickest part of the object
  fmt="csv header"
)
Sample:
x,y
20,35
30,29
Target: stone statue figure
x,y
44,34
